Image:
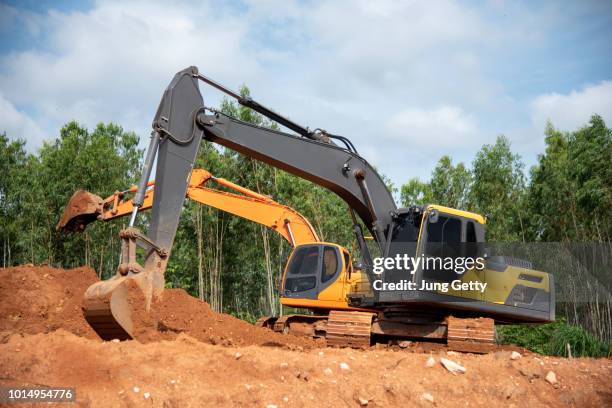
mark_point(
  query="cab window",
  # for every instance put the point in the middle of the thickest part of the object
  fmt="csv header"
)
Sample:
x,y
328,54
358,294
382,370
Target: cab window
x,y
330,264
304,261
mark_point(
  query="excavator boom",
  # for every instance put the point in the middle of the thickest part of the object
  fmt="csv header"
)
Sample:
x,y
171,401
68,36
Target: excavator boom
x,y
85,207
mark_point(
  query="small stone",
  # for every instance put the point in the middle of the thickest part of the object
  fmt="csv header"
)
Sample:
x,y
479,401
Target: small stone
x,y
452,353
344,366
321,353
427,397
146,395
453,367
430,362
551,377
271,406
363,402
284,365
115,340
404,344
285,399
237,355
136,389
515,355
328,371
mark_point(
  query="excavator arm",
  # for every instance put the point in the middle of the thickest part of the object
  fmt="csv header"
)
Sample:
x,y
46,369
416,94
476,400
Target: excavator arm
x,y
85,207
181,121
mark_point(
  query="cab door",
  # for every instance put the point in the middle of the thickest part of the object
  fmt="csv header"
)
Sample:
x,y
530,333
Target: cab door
x,y
312,269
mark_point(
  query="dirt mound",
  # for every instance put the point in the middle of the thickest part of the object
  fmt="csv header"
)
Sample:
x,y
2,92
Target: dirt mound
x,y
179,312
188,373
43,299
45,341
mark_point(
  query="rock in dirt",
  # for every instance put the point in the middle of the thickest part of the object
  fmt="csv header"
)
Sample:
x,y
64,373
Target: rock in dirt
x,y
344,366
363,401
430,362
515,355
551,377
452,366
427,397
404,344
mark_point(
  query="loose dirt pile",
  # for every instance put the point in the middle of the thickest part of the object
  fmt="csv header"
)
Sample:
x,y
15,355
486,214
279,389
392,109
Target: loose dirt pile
x,y
188,373
44,299
44,341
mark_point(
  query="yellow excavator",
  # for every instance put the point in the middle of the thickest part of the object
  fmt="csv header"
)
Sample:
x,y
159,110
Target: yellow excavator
x,y
413,301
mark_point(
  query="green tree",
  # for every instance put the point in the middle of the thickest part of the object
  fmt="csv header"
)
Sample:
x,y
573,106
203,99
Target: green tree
x,y
13,162
450,184
498,190
570,193
101,161
415,192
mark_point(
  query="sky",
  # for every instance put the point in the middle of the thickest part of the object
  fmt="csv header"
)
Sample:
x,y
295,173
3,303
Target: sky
x,y
406,81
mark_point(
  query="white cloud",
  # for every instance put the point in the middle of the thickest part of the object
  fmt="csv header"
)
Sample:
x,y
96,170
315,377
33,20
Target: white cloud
x,y
441,127
573,110
398,78
17,124
113,62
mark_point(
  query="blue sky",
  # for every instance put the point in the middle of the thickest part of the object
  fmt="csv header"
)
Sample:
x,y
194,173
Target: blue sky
x,y
407,81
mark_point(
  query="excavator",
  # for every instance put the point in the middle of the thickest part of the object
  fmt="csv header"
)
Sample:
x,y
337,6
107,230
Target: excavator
x,y
410,302
85,207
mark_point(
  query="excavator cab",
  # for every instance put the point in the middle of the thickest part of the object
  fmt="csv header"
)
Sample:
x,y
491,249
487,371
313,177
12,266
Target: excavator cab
x,y
319,276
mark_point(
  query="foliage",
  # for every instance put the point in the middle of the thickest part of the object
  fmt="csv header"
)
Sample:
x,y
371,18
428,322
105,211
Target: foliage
x,y
553,338
101,161
570,194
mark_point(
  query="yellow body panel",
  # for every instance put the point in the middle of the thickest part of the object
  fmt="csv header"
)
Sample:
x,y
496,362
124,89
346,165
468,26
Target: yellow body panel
x,y
500,284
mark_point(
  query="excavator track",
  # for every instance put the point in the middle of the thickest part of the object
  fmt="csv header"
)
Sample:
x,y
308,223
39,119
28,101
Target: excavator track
x,y
312,326
266,321
349,329
476,335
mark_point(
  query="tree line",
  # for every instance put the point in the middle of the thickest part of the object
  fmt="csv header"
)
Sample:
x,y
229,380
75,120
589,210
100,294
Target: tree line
x,y
234,264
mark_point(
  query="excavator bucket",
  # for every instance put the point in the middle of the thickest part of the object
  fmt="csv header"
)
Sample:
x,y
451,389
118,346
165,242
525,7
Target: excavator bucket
x,y
106,308
117,307
82,209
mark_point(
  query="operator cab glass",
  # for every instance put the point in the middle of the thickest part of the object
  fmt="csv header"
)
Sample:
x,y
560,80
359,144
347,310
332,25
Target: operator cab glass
x,y
448,236
312,268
